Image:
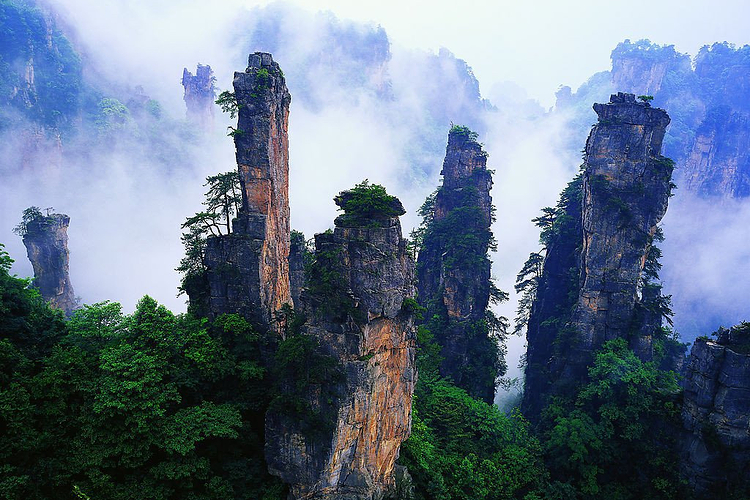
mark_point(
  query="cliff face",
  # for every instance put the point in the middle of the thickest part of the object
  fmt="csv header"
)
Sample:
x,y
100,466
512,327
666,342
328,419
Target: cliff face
x,y
453,270
248,270
199,95
718,163
716,415
642,67
46,242
356,319
624,191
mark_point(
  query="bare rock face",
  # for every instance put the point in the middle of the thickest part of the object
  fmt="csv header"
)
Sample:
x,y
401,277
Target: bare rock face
x,y
46,241
623,194
454,277
199,95
641,68
718,163
346,446
248,270
716,415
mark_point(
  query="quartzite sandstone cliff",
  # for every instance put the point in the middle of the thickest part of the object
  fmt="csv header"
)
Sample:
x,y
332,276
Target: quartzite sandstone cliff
x,y
46,241
248,270
625,187
360,325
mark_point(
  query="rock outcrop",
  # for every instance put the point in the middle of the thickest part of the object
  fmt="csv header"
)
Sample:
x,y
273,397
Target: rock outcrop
x,y
199,95
345,441
597,265
453,269
248,270
716,414
46,241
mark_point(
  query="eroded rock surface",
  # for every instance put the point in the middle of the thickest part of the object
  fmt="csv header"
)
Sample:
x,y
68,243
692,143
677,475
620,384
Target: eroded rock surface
x,y
716,415
624,190
359,324
248,270
453,269
199,95
46,241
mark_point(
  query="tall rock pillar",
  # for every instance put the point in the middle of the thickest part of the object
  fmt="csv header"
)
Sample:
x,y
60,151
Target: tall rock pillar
x,y
623,194
453,269
199,95
248,269
46,241
336,430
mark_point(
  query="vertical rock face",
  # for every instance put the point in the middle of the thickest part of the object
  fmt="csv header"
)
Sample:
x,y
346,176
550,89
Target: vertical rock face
x,y
297,252
718,163
453,269
641,67
199,95
623,193
362,326
46,242
716,415
248,270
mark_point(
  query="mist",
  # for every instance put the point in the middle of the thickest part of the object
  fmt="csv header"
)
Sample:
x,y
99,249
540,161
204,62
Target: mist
x,y
363,107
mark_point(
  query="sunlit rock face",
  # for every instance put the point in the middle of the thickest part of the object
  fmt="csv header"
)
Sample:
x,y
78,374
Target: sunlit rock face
x,y
248,270
366,406
452,284
596,269
200,94
46,242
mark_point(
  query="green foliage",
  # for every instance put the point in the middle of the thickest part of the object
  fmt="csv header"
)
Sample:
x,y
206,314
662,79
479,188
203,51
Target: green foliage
x,y
327,286
30,214
462,448
646,98
113,116
464,132
616,439
527,283
227,101
307,381
367,205
223,201
112,405
58,91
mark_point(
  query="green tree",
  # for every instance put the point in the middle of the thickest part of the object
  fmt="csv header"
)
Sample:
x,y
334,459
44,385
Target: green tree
x,y
222,201
617,439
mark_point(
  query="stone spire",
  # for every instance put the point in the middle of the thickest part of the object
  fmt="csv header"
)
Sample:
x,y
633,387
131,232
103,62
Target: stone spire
x,y
199,95
46,241
248,269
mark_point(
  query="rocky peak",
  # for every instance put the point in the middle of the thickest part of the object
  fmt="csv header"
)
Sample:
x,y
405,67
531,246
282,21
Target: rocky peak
x,y
453,268
248,270
199,95
46,241
624,190
358,317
